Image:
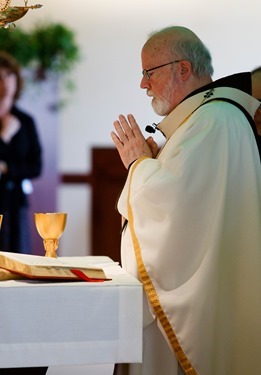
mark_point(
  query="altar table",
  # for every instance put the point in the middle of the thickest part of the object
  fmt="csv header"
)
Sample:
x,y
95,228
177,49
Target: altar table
x,y
71,323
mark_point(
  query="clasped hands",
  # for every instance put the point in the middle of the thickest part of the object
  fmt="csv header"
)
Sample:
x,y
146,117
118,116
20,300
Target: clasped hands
x,y
130,141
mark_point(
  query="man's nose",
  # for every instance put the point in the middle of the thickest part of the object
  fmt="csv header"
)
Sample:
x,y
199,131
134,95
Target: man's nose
x,y
144,83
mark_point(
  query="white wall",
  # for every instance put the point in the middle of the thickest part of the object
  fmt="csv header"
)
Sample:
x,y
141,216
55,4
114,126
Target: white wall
x,y
111,34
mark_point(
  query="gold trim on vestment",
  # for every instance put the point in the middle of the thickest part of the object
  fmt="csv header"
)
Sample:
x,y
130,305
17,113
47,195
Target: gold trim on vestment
x,y
151,292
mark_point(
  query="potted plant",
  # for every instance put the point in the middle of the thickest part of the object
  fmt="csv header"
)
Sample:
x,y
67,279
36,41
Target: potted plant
x,y
47,47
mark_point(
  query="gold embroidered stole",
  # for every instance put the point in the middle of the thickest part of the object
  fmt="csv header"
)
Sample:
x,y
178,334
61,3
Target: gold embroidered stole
x,y
152,294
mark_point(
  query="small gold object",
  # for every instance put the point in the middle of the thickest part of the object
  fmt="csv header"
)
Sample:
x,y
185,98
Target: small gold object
x,y
8,15
4,4
1,219
50,227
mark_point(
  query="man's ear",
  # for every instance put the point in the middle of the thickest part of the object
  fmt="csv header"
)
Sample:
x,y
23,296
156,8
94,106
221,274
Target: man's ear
x,y
185,70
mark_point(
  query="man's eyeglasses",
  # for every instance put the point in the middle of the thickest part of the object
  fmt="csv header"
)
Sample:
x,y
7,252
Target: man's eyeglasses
x,y
146,73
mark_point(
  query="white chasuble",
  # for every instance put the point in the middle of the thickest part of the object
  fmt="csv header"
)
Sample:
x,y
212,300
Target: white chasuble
x,y
194,240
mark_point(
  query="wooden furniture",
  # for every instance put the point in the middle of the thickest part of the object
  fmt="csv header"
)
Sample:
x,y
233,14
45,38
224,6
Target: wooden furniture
x,y
108,178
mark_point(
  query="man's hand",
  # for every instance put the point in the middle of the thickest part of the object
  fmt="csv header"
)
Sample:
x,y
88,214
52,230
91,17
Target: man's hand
x,y
154,148
130,141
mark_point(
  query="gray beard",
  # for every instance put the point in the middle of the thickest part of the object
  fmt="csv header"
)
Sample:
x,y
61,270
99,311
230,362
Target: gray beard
x,y
160,106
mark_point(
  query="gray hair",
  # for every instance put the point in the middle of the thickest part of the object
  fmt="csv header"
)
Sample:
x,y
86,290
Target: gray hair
x,y
184,44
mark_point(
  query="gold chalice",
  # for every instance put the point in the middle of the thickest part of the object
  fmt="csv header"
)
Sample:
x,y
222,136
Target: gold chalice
x,y
50,227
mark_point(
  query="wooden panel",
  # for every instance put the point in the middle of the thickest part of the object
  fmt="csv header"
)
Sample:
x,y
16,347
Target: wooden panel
x,y
108,178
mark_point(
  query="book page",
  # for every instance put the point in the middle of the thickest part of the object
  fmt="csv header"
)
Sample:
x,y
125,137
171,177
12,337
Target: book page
x,y
34,266
7,275
33,260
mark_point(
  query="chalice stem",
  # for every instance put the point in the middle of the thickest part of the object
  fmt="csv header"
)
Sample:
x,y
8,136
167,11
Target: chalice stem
x,y
51,246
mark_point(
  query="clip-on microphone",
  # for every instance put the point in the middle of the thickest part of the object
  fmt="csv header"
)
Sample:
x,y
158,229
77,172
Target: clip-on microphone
x,y
151,128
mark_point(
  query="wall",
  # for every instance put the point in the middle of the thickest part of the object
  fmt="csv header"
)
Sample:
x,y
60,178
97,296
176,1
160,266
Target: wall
x,y
111,34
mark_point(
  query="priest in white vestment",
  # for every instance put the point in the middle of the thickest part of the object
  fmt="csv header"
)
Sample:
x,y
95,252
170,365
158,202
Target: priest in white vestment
x,y
192,214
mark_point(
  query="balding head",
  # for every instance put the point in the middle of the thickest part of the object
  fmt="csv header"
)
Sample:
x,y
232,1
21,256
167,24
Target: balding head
x,y
181,43
175,63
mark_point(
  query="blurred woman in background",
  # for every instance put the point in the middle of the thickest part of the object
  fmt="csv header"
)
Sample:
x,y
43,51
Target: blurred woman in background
x,y
20,159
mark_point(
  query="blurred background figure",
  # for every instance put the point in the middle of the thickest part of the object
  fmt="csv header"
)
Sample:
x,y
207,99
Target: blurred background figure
x,y
256,92
20,159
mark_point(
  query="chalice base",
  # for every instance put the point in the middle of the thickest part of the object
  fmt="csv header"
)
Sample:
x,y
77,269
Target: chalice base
x,y
51,246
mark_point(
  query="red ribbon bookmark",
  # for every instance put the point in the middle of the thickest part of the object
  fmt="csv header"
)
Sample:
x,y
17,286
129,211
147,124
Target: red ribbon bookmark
x,y
82,276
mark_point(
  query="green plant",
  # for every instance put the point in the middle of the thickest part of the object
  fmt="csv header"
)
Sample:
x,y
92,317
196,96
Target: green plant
x,y
17,44
47,47
54,48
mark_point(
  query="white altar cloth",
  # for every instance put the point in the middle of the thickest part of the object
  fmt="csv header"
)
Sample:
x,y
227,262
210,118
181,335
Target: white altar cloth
x,y
71,323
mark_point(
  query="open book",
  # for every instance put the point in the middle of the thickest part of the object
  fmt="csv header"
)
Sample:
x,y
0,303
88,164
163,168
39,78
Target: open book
x,y
13,266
